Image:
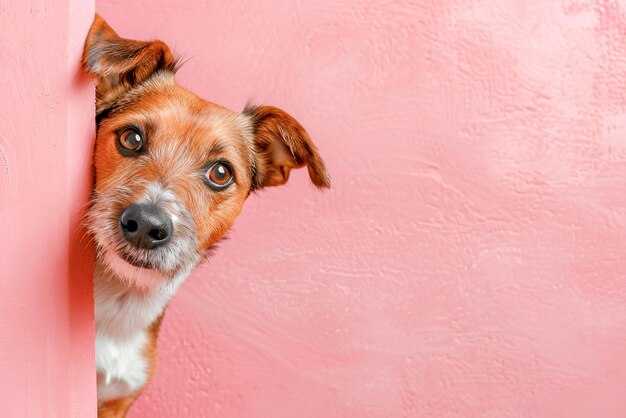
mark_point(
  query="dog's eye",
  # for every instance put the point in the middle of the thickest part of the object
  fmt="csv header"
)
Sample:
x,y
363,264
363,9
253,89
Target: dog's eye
x,y
219,176
130,141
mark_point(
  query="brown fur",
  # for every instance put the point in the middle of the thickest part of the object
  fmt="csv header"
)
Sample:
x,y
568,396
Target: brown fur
x,y
117,408
183,132
294,148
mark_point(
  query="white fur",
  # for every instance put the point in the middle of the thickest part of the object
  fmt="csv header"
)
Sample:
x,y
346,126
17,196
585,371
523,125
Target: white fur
x,y
121,368
123,315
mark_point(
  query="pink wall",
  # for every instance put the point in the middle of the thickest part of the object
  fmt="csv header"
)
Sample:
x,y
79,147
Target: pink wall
x,y
46,140
470,258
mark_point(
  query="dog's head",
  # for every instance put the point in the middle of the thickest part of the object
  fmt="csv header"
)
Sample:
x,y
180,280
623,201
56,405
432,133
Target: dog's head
x,y
173,170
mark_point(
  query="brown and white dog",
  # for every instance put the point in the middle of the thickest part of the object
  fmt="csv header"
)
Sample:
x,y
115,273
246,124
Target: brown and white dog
x,y
172,173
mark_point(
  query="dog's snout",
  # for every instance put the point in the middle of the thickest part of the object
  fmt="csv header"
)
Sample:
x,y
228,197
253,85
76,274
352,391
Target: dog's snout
x,y
146,225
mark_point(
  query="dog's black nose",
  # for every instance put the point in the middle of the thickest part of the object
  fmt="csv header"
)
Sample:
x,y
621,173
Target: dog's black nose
x,y
146,225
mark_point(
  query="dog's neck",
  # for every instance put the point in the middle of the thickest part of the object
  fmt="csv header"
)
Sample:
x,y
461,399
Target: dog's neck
x,y
122,310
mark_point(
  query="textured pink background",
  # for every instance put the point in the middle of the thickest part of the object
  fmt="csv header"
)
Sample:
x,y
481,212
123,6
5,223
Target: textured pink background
x,y
46,143
470,258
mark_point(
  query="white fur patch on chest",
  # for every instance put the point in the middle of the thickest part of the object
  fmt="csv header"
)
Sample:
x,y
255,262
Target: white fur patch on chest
x,y
120,365
123,316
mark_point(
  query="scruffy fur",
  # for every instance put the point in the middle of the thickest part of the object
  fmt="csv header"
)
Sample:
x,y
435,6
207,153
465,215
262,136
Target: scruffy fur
x,y
183,134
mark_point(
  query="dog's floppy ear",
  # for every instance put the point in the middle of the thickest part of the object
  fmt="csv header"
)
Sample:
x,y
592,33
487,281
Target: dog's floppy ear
x,y
122,62
282,144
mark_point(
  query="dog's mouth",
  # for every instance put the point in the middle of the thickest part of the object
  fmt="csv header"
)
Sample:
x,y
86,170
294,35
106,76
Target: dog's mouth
x,y
135,262
164,262
126,267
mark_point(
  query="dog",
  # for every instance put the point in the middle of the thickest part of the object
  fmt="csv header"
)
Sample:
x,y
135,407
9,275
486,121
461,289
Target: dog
x,y
172,172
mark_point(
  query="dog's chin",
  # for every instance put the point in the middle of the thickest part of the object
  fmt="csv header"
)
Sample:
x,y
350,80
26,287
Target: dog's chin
x,y
132,274
147,264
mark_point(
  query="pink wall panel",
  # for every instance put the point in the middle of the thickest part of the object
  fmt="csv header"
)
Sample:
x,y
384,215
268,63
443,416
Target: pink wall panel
x,y
46,139
470,258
